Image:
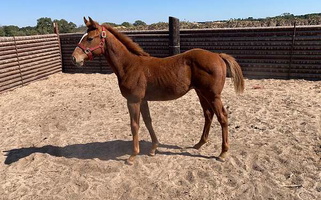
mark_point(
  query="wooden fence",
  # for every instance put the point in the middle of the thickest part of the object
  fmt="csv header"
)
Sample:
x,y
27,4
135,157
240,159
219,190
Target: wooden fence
x,y
279,52
28,58
153,42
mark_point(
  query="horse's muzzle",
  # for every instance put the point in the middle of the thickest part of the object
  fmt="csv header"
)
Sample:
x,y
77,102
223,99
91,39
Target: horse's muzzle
x,y
76,63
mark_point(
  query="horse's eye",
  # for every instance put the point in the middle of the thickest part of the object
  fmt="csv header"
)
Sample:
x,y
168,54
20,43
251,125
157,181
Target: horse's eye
x,y
89,39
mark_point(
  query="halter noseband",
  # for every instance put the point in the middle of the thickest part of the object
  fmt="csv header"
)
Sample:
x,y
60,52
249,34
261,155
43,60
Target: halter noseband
x,y
88,51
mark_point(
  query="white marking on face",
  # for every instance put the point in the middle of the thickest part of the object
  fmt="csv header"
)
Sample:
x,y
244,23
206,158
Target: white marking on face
x,y
83,37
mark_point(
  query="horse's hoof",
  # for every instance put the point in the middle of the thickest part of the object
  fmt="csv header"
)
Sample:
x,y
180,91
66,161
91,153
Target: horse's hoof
x,y
221,159
130,160
197,146
152,153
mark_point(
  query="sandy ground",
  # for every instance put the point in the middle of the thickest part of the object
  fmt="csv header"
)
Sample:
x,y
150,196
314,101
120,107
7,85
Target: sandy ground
x,y
66,137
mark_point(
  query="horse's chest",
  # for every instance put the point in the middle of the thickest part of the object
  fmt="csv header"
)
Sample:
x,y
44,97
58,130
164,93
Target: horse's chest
x,y
133,87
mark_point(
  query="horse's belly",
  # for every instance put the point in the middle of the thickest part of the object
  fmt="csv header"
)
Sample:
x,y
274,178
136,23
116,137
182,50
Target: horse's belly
x,y
166,93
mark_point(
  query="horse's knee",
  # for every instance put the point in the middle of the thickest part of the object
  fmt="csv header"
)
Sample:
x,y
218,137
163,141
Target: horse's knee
x,y
134,126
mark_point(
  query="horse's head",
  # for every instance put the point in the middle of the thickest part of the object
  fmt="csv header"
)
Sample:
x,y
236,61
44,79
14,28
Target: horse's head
x,y
91,44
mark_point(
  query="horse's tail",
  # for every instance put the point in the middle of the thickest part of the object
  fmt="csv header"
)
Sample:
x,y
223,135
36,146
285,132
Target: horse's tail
x,y
235,71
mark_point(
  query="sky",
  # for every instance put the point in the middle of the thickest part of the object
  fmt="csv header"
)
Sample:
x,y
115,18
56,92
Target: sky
x,y
26,12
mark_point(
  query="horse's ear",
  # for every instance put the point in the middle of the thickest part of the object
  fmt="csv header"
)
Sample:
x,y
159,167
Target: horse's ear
x,y
87,23
92,22
85,20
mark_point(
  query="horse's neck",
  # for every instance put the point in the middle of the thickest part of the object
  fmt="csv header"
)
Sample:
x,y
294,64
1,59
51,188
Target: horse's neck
x,y
118,56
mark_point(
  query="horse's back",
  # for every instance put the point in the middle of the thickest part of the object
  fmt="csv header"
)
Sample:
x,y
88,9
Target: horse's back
x,y
172,77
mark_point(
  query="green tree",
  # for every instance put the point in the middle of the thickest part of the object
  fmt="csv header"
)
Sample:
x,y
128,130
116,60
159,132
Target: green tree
x,y
110,24
80,29
29,30
139,23
126,24
287,15
2,33
44,25
64,26
11,30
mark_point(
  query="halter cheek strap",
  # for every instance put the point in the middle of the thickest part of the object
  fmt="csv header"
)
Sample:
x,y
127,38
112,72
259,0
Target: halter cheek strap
x,y
88,51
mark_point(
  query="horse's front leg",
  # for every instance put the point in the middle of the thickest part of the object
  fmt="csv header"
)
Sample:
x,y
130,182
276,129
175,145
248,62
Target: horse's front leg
x,y
144,109
134,112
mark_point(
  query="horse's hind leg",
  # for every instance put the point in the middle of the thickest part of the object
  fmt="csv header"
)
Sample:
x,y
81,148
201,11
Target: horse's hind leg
x,y
212,103
223,120
144,109
208,114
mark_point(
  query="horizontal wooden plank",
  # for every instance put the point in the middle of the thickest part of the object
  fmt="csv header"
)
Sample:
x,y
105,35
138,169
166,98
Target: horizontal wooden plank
x,y
4,71
6,39
38,52
35,37
35,41
7,61
11,85
9,71
42,74
40,65
10,55
4,49
10,75
39,70
47,60
5,84
33,47
28,58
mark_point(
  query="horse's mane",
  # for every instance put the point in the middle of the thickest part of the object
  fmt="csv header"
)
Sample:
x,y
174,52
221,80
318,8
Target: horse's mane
x,y
125,40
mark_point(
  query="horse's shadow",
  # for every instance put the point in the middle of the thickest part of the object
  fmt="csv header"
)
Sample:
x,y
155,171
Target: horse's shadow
x,y
110,150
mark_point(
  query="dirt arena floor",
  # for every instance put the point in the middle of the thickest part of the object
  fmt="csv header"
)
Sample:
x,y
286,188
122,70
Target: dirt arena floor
x,y
67,137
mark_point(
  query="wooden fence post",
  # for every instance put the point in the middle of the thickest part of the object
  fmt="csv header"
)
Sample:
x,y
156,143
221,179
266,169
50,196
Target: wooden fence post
x,y
174,36
56,31
292,51
18,59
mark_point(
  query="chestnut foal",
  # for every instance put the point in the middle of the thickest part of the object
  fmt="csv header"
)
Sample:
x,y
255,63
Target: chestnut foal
x,y
143,78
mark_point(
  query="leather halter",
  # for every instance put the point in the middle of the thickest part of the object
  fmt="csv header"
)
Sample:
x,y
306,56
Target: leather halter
x,y
88,51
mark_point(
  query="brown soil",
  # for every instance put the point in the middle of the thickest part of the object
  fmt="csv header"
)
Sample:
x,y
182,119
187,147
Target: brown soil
x,y
67,137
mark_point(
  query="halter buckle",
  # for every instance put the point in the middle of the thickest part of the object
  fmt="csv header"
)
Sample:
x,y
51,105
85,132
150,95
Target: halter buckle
x,y
87,51
103,34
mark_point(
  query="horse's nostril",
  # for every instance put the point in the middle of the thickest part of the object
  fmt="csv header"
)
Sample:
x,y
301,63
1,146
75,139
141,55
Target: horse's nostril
x,y
73,59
